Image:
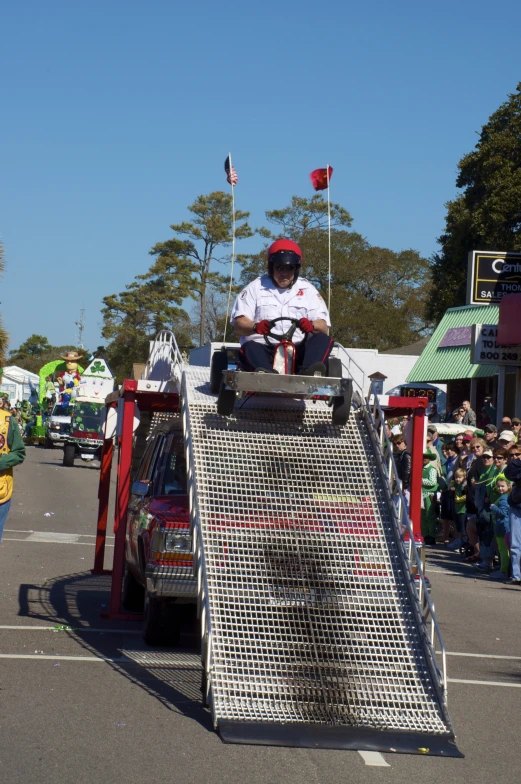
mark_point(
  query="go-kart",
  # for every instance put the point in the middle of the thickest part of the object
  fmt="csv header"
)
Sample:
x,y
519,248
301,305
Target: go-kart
x,y
227,382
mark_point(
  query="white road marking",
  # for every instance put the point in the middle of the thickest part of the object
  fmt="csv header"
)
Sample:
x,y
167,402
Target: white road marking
x,y
32,531
50,541
482,655
187,660
54,537
60,658
81,629
486,683
374,758
129,657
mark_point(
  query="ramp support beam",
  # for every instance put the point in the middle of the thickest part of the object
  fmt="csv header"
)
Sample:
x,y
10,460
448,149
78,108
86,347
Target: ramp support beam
x,y
125,462
107,455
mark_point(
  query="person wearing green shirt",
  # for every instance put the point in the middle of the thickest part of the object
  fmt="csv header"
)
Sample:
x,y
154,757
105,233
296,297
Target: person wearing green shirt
x,y
429,488
12,452
483,486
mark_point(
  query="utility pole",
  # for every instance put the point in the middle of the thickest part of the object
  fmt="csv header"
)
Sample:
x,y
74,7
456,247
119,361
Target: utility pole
x,y
81,327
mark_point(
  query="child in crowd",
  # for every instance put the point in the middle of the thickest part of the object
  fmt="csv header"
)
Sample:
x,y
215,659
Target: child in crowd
x,y
483,487
429,488
501,512
458,487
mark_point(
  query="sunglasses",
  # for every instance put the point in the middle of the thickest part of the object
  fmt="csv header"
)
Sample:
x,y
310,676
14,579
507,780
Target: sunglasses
x,y
283,267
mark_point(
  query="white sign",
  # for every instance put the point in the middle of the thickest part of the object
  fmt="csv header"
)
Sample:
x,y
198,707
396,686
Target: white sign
x,y
485,351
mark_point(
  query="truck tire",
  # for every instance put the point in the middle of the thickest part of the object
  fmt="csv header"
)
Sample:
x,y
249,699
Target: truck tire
x,y
162,622
219,363
48,443
69,453
133,597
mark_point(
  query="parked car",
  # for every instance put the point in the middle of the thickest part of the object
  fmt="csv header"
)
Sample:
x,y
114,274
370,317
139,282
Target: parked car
x,y
58,425
159,566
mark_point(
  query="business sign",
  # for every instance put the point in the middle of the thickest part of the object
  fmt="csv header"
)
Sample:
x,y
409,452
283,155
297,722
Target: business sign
x,y
485,351
491,275
456,336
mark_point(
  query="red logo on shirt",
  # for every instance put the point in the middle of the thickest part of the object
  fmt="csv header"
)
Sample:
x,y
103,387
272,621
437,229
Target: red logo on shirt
x,y
300,293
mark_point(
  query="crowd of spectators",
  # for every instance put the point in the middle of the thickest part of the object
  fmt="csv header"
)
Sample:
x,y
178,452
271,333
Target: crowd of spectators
x,y
25,414
471,489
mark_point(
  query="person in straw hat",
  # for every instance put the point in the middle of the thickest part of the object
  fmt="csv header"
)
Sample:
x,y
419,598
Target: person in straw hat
x,y
69,378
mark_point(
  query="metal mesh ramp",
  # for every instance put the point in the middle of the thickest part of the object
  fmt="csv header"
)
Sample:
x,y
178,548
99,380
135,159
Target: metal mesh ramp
x,y
313,627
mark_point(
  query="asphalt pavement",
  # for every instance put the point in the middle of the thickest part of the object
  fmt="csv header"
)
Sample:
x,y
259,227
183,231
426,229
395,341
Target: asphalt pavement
x,y
92,702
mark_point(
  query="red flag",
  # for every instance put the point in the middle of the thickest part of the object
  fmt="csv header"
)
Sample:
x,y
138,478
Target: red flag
x,y
319,178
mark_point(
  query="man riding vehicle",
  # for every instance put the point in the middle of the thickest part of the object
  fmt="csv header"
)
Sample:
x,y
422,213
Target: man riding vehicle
x,y
281,293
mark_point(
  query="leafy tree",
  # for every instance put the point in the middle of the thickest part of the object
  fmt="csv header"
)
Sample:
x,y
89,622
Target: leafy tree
x,y
132,318
185,260
34,346
487,214
36,351
216,305
301,218
305,215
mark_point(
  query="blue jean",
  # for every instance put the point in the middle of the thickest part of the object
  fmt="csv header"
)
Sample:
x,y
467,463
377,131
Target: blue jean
x,y
316,348
515,543
4,511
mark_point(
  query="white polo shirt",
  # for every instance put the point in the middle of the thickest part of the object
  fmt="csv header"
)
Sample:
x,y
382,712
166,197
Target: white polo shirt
x,y
262,299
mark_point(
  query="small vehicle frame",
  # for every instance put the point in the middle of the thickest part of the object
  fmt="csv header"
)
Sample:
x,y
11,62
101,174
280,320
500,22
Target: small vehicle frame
x,y
228,383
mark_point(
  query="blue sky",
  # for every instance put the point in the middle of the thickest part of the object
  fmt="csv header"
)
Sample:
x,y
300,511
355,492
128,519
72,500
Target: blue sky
x,y
117,114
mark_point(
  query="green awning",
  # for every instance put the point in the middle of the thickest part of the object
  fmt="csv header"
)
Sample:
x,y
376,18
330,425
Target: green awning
x,y
437,365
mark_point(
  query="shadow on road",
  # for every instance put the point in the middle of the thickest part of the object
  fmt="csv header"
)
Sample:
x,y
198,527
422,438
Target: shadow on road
x,y
172,676
441,558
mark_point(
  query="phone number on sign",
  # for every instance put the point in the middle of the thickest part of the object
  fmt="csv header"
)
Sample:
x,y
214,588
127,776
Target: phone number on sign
x,y
501,356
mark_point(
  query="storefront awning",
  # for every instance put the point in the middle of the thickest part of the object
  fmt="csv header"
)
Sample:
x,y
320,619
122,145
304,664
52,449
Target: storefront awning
x,y
447,354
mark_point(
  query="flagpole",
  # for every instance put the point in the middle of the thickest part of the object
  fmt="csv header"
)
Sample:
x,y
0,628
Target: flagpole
x,y
329,244
233,249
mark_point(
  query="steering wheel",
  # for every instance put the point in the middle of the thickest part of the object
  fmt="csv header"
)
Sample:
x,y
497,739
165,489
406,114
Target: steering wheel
x,y
288,335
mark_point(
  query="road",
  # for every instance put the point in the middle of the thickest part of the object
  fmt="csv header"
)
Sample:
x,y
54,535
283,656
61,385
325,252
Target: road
x,y
96,704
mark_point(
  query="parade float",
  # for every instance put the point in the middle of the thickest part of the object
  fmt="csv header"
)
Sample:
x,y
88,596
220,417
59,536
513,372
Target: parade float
x,y
59,382
85,438
61,377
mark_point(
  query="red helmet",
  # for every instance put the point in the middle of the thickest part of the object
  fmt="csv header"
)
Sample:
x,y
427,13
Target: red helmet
x,y
285,252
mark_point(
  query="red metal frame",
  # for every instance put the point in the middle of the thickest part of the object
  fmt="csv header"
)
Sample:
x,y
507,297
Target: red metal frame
x,y
418,405
147,401
103,505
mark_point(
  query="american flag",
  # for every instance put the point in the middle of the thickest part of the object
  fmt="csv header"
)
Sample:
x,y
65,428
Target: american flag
x,y
231,174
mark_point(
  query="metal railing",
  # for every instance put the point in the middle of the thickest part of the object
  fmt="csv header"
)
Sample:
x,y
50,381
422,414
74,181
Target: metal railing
x,y
165,360
354,371
375,421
